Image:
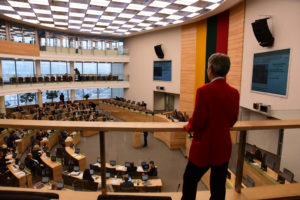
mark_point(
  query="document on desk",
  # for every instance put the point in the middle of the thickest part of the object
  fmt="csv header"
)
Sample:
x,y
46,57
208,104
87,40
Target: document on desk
x,y
9,156
78,156
121,168
255,164
74,155
18,140
114,182
140,169
20,174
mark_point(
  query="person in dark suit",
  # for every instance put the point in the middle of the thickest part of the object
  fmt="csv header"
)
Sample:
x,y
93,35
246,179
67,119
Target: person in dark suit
x,y
11,139
127,186
32,164
62,97
87,175
152,169
131,170
39,136
145,139
216,111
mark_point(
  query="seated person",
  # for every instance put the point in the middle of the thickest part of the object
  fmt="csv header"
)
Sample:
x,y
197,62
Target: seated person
x,y
54,186
39,136
131,168
64,134
258,155
4,149
3,165
32,164
152,169
36,154
87,175
11,139
127,186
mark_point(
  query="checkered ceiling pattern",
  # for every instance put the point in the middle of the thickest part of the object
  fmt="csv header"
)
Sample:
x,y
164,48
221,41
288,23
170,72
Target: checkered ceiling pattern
x,y
109,17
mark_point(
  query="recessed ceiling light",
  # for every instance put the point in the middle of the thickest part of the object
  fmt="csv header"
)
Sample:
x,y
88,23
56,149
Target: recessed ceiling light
x,y
107,31
19,4
63,0
60,16
118,22
112,27
87,19
213,1
102,24
60,27
45,19
193,15
72,21
191,9
128,26
212,7
135,7
121,30
85,30
49,25
59,9
72,14
127,33
136,29
13,16
167,11
103,3
122,1
33,21
8,8
162,23
114,9
41,11
107,17
39,2
99,29
144,24
136,20
29,14
160,4
146,13
126,15
95,32
78,5
154,19
88,25
177,21
175,17
74,27
94,12
61,23
149,28
185,2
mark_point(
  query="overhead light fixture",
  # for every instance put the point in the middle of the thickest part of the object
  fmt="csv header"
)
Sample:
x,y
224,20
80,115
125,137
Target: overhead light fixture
x,y
49,25
136,29
122,1
212,7
128,26
107,31
185,2
13,16
175,17
72,21
112,27
118,22
177,21
60,16
114,9
87,19
103,3
149,28
33,21
98,28
159,4
127,33
168,11
28,14
193,15
60,27
39,2
212,1
45,19
136,20
42,11
78,5
19,4
154,19
94,12
135,7
162,23
95,32
74,27
102,23
122,30
191,9
72,14
85,30
144,24
8,8
59,9
146,13
126,15
107,17
88,25
61,23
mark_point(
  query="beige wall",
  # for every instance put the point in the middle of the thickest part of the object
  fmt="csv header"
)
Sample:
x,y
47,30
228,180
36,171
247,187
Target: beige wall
x,y
140,67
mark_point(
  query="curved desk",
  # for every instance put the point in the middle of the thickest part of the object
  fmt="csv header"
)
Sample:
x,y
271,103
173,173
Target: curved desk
x,y
74,138
25,142
24,179
79,159
55,167
51,140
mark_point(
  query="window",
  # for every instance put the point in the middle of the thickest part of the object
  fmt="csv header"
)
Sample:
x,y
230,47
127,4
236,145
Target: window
x,y
59,68
2,30
11,100
45,100
118,69
16,33
79,94
29,35
50,40
65,41
8,69
78,65
27,99
58,42
117,92
67,94
45,68
89,68
104,93
104,68
93,93
25,68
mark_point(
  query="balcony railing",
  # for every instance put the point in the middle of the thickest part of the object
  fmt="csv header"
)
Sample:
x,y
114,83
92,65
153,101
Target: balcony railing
x,y
103,127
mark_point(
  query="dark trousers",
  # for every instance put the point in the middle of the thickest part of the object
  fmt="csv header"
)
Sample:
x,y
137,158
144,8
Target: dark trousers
x,y
193,174
145,139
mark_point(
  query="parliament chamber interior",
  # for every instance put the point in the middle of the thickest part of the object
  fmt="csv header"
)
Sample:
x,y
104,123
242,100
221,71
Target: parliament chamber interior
x,y
90,83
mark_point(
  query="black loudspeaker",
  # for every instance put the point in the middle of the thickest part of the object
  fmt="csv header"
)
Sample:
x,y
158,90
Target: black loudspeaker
x,y
262,32
41,33
158,51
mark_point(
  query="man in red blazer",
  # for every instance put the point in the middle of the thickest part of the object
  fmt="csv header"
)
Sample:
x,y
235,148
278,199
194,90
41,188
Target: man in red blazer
x,y
216,110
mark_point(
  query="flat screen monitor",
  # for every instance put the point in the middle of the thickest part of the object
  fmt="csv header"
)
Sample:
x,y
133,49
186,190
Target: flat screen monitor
x,y
143,163
145,177
127,164
53,158
91,171
48,153
60,185
22,166
107,175
112,162
270,72
77,150
98,160
45,179
14,155
162,70
146,166
76,168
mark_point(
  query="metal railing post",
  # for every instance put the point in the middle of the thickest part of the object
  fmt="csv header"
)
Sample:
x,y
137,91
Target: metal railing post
x,y
240,161
103,162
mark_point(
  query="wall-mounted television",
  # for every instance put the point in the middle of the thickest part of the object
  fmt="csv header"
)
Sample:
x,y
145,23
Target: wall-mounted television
x,y
162,70
270,72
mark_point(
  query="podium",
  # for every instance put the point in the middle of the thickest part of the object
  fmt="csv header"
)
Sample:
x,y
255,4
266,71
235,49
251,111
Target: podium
x,y
137,139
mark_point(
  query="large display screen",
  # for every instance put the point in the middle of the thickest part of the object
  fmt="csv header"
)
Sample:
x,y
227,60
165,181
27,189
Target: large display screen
x,y
270,72
162,71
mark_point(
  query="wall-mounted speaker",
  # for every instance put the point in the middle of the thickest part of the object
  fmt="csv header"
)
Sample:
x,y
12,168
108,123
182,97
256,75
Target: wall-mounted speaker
x,y
265,108
158,51
162,88
262,32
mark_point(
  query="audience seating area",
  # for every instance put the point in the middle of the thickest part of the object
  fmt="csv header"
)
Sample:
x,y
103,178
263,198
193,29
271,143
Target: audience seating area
x,y
129,104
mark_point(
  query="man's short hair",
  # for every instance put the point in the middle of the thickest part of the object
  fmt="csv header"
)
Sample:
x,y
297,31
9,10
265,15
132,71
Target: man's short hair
x,y
219,63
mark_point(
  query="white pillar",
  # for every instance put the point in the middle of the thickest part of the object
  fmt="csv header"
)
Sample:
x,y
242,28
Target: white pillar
x,y
38,67
2,105
40,98
72,69
72,95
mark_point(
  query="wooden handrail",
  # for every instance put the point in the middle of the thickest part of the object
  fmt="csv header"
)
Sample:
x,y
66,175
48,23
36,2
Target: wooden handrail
x,y
265,124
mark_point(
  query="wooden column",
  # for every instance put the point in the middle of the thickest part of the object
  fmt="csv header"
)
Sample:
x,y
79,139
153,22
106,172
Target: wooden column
x,y
240,161
72,69
103,162
2,105
40,98
38,67
72,95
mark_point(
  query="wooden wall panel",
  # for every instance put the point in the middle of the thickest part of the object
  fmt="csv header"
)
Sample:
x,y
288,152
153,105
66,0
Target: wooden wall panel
x,y
188,63
235,44
9,47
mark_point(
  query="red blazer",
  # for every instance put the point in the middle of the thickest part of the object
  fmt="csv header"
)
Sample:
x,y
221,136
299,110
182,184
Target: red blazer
x,y
216,110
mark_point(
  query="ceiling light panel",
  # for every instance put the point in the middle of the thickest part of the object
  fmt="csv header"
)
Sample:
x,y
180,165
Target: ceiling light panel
x,y
107,17
78,5
61,23
154,19
114,9
28,14
168,11
72,14
135,7
87,19
146,13
122,1
88,25
144,24
118,22
33,21
45,19
212,1
159,4
99,29
191,9
74,27
126,15
42,11
49,25
136,20
103,3
72,21
19,4
128,26
59,9
39,2
60,16
8,8
13,16
212,7
177,21
175,17
185,2
94,12
102,24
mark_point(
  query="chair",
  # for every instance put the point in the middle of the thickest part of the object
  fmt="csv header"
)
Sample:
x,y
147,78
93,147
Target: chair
x,y
20,79
52,79
13,80
288,175
58,79
95,168
90,185
249,182
60,153
112,171
83,78
99,78
151,189
78,185
32,140
65,78
127,188
33,79
46,79
68,180
27,79
70,79
40,79
5,139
